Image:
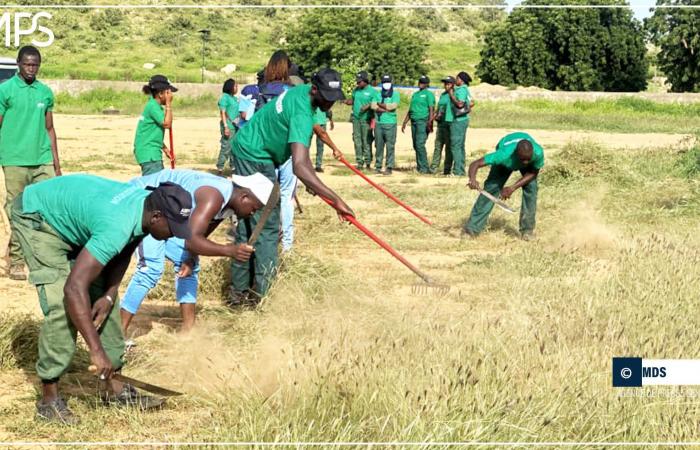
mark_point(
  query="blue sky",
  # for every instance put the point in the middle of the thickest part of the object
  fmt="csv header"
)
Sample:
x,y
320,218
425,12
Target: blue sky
x,y
640,7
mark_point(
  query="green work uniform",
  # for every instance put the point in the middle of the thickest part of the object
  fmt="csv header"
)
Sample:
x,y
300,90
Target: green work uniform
x,y
458,133
419,112
504,162
261,146
385,131
148,143
361,131
442,136
229,104
25,146
54,220
320,119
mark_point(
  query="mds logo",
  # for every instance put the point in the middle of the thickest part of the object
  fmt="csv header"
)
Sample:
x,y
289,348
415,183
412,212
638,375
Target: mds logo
x,y
654,372
16,25
629,372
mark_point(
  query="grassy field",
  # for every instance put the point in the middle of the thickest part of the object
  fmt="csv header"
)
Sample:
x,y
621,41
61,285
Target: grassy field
x,y
624,115
519,350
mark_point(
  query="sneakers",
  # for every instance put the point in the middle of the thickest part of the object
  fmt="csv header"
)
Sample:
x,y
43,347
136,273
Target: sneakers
x,y
319,169
130,397
16,272
387,172
378,171
56,411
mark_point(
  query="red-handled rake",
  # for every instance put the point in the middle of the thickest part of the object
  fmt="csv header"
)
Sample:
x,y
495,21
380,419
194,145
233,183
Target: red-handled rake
x,y
172,150
430,284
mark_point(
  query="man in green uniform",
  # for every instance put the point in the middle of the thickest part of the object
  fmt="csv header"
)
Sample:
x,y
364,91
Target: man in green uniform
x,y
444,119
385,129
362,97
421,113
77,234
460,104
228,110
279,130
28,151
515,151
321,118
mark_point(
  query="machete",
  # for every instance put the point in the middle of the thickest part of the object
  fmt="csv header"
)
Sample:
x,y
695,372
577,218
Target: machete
x,y
496,201
267,210
140,384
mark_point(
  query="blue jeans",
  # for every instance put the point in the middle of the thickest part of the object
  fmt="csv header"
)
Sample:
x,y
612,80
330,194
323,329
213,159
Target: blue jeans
x,y
288,184
152,254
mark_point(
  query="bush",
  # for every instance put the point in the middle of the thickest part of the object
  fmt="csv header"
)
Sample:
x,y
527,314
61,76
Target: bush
x,y
677,33
569,49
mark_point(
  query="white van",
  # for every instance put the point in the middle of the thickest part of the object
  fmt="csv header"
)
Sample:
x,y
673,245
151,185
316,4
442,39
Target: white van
x,y
8,68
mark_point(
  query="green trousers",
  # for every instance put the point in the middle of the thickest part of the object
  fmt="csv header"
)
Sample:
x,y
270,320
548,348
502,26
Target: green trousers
x,y
419,135
257,273
16,179
385,134
225,148
50,259
361,133
319,150
151,167
498,176
458,137
442,141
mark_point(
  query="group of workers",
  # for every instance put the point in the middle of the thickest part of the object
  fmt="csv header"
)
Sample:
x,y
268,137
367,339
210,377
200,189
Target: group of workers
x,y
77,233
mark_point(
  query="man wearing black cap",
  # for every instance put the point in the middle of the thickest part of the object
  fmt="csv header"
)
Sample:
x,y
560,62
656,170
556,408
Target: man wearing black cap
x,y
77,234
444,118
421,113
148,143
280,130
362,97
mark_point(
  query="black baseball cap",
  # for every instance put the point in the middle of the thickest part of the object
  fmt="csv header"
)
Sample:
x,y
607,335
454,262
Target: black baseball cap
x,y
328,82
161,83
424,80
448,79
176,205
386,78
363,76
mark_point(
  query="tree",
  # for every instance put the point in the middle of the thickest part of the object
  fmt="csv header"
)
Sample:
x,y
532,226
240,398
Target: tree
x,y
676,32
354,39
590,49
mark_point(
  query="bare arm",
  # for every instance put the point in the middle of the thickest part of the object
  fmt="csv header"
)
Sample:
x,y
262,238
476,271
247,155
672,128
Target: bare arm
x,y
458,103
224,121
168,120
525,179
304,170
54,144
473,168
326,139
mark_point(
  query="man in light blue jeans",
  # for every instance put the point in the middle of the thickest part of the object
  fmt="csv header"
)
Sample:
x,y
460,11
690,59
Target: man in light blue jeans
x,y
288,185
214,199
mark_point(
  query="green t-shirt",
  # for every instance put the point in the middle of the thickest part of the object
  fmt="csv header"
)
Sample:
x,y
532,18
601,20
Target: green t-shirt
x,y
229,104
388,117
24,140
421,102
320,117
102,215
267,138
444,105
148,143
505,153
462,94
360,98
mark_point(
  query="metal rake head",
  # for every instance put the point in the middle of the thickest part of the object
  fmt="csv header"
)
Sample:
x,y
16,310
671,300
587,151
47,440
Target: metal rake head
x,y
430,289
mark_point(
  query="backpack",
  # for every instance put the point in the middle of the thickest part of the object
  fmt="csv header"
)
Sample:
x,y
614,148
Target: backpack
x,y
270,91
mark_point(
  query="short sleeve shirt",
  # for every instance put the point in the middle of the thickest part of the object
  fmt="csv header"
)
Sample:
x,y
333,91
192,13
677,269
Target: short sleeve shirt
x,y
269,135
229,104
148,143
505,153
320,117
101,215
389,117
444,105
421,102
462,94
360,98
24,140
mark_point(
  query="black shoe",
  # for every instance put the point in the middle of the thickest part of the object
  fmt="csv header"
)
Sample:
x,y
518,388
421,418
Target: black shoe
x,y
387,172
378,171
368,167
239,299
130,397
319,169
56,411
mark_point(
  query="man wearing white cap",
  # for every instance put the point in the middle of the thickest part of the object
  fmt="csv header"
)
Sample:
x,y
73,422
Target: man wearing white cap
x,y
213,200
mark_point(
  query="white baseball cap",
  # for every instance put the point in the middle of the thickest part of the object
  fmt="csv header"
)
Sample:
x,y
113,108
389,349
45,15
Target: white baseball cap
x,y
259,184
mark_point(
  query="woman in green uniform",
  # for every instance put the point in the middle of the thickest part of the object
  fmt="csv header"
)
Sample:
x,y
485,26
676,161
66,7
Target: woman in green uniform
x,y
156,117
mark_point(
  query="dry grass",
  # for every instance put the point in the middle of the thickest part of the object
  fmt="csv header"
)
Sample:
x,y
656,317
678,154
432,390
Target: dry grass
x,y
519,350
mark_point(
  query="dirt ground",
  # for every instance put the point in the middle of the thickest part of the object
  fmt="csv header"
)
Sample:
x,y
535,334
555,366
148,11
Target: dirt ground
x,y
103,145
